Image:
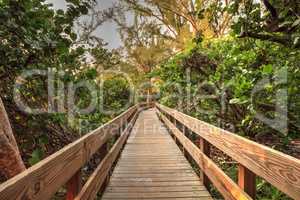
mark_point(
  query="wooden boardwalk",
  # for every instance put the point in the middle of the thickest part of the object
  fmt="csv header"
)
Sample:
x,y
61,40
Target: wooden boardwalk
x,y
152,166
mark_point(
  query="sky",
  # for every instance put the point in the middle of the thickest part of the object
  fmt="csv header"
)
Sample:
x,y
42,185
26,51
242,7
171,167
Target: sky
x,y
108,31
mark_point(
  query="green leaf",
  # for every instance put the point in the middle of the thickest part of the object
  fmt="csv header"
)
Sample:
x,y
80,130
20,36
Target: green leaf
x,y
286,23
73,36
234,101
43,140
238,101
36,156
268,69
296,23
60,12
296,41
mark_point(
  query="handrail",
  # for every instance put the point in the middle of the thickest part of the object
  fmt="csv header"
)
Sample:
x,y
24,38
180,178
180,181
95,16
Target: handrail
x,y
281,170
44,179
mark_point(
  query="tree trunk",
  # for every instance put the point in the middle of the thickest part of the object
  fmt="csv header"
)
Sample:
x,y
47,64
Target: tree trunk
x,y
11,162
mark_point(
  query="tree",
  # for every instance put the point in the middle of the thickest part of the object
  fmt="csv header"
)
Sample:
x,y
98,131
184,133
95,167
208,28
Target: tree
x,y
271,20
144,45
11,162
159,28
95,18
180,18
217,12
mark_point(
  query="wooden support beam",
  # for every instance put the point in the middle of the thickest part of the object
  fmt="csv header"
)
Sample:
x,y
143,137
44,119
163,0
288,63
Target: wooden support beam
x,y
74,186
103,153
247,180
205,148
184,131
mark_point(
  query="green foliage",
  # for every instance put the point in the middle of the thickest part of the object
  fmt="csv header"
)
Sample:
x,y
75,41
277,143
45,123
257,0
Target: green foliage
x,y
241,65
36,156
266,191
272,20
104,57
34,36
116,93
113,99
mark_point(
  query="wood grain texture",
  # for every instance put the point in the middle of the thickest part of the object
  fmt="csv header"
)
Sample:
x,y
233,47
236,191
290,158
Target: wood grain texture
x,y
152,166
44,179
228,188
281,170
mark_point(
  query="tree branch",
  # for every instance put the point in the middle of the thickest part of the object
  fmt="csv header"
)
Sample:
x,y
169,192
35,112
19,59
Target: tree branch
x,y
271,9
285,40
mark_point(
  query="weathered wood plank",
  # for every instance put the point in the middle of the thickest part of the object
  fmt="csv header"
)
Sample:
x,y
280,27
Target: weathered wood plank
x,y
171,198
147,171
154,175
155,189
228,188
281,170
141,195
152,168
153,184
156,179
44,179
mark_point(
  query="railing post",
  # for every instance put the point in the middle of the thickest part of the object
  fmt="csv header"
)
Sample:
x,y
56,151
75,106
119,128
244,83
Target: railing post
x,y
74,186
247,180
148,97
184,133
175,124
205,148
103,152
173,120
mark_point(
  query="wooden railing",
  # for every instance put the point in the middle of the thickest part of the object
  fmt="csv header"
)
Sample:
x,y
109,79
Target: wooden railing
x,y
279,169
44,179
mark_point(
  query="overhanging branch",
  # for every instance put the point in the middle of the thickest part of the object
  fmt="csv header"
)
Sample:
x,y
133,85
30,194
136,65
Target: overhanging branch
x,y
285,40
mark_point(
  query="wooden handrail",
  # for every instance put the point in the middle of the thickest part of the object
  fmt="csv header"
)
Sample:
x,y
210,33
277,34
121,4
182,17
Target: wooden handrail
x,y
281,170
44,179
